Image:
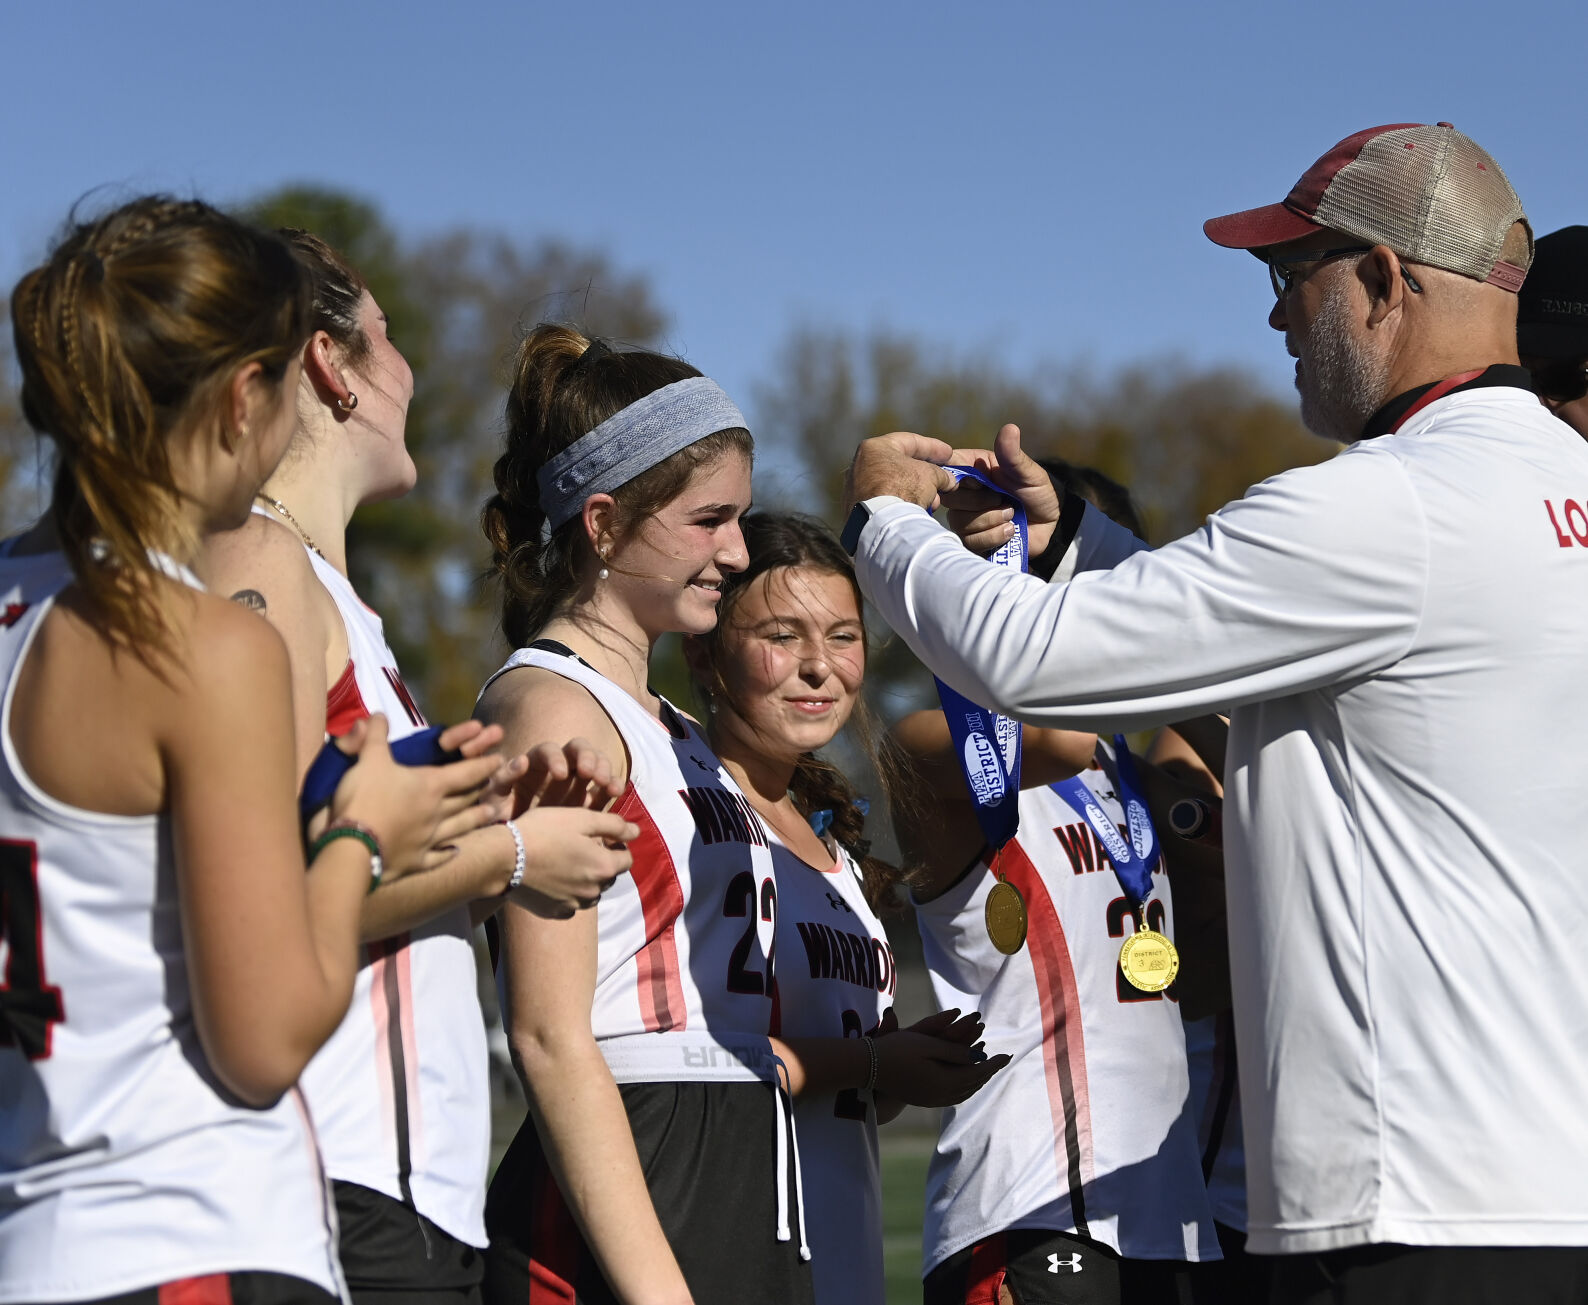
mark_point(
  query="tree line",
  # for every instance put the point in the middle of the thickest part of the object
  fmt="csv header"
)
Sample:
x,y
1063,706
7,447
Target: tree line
x,y
1185,439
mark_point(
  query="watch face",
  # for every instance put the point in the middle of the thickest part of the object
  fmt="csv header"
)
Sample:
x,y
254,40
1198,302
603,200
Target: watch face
x,y
850,538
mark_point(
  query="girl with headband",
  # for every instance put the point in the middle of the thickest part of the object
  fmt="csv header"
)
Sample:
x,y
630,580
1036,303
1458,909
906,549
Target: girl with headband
x,y
1075,1176
783,672
400,1095
657,1162
170,966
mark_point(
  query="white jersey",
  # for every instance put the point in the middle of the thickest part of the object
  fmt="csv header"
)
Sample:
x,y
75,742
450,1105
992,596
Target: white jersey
x,y
835,977
1216,1107
401,1092
1087,1129
1398,636
685,938
123,1164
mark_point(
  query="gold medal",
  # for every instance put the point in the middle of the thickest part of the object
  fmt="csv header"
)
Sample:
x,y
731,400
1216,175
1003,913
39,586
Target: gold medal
x,y
1149,960
1006,917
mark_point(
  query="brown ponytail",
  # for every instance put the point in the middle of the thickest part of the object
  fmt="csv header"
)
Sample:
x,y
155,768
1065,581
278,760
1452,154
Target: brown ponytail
x,y
557,395
133,328
777,540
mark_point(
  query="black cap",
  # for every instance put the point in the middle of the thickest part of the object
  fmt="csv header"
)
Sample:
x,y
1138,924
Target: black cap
x,y
1552,309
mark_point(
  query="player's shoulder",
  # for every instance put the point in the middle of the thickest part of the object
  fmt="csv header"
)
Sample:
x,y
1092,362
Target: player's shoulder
x,y
261,548
536,704
229,647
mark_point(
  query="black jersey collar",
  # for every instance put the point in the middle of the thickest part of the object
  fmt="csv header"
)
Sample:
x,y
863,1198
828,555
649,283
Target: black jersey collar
x,y
1390,417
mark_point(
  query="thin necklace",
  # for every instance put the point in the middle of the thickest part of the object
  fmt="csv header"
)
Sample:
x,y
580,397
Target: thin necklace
x,y
291,521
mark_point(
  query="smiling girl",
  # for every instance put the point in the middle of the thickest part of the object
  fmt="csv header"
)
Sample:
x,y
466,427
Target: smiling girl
x,y
656,1162
783,672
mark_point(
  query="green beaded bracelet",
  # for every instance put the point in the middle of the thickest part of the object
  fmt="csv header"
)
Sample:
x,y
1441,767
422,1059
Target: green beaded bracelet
x,y
366,836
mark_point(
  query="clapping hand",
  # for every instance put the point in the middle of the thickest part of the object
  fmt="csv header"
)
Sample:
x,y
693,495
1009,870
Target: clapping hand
x,y
472,739
575,775
575,849
937,1061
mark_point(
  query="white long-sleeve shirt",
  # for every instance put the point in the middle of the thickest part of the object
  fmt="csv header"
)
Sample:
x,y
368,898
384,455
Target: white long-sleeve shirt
x,y
1401,637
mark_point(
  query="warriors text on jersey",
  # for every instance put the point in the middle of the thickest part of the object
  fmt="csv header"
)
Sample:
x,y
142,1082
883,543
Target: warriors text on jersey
x,y
835,977
1086,1130
400,1093
122,1165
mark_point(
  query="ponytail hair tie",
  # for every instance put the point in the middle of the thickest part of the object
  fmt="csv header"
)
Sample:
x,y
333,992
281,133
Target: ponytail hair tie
x,y
597,350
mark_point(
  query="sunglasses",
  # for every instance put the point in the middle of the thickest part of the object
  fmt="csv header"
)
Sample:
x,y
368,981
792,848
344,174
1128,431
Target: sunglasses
x,y
1565,382
1283,273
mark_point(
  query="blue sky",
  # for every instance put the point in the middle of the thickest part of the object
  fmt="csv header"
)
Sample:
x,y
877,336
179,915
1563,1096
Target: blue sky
x,y
1027,180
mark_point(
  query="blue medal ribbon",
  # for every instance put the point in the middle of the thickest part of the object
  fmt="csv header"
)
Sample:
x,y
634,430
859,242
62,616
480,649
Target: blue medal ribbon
x,y
987,744
1134,858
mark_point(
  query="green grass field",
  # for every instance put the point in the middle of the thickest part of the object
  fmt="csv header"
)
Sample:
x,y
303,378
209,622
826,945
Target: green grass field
x,y
904,1157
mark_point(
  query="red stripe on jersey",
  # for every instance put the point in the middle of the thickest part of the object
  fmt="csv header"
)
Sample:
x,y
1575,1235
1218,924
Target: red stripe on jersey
x,y
1063,1044
655,878
344,704
416,717
391,1004
211,1289
556,1247
984,1276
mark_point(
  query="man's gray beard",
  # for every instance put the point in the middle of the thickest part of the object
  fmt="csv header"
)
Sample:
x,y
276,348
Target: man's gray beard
x,y
1342,383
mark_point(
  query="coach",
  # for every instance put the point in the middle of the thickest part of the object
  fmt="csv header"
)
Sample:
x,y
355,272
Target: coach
x,y
1399,636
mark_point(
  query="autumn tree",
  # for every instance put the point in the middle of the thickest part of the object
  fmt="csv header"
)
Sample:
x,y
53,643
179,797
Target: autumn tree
x,y
1185,440
24,457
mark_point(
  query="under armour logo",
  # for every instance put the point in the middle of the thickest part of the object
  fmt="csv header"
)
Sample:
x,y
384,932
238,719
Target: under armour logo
x,y
838,903
1073,1264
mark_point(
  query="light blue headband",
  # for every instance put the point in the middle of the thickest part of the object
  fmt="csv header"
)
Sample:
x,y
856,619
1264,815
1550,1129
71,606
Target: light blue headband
x,y
633,441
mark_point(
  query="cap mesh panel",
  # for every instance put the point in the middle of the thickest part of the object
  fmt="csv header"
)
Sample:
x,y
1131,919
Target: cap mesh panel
x,y
1444,202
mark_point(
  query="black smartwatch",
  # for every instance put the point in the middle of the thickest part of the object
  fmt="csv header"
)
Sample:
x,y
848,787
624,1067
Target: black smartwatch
x,y
850,535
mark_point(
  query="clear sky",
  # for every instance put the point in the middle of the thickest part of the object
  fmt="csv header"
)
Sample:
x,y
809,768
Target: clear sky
x,y
1022,179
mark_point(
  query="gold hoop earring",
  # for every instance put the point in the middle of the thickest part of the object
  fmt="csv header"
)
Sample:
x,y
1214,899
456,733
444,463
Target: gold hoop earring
x,y
349,403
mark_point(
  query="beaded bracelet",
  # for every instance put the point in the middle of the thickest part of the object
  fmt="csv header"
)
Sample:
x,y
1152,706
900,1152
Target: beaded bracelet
x,y
876,1062
520,858
365,835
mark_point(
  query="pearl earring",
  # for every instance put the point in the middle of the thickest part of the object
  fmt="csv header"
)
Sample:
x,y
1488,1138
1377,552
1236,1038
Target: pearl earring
x,y
603,573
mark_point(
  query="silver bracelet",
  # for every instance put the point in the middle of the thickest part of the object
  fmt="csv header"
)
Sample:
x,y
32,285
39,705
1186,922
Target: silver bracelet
x,y
876,1061
520,858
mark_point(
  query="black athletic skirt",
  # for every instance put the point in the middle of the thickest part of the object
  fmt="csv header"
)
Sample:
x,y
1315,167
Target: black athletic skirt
x,y
708,1151
1038,1267
392,1255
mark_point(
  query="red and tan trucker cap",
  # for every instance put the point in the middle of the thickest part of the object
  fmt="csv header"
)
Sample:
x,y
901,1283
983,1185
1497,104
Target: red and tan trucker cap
x,y
1431,194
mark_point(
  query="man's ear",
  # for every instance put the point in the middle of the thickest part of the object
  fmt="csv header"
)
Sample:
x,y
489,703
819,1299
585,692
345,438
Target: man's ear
x,y
1380,274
